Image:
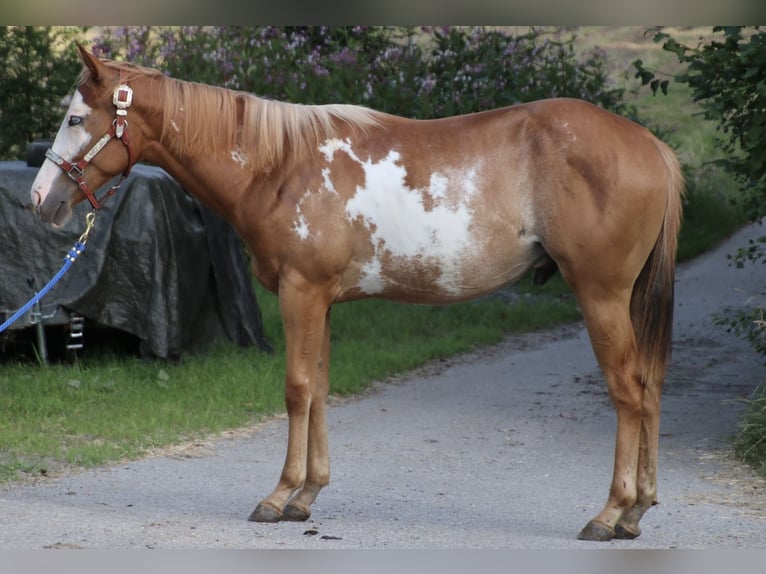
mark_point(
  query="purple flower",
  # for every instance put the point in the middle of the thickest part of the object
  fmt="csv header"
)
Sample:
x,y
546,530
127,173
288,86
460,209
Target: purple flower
x,y
344,56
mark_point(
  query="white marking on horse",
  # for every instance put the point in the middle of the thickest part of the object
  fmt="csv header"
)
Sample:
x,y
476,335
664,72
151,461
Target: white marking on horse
x,y
328,184
402,228
330,146
301,226
238,157
69,142
438,186
569,132
371,278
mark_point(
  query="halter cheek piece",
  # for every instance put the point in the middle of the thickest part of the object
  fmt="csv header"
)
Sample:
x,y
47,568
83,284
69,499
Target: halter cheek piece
x,y
122,98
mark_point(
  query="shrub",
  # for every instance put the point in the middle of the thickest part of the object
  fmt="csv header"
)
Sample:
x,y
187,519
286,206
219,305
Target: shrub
x,y
424,73
37,77
416,72
726,77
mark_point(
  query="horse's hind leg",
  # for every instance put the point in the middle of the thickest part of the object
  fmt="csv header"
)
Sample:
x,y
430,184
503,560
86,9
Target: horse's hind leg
x,y
607,317
627,526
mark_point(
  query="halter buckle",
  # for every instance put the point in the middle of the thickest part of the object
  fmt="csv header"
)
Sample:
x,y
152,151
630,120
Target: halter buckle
x,y
75,172
122,98
120,125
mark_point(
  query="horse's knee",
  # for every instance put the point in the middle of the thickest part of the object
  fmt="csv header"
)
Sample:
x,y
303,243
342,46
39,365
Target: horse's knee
x,y
297,397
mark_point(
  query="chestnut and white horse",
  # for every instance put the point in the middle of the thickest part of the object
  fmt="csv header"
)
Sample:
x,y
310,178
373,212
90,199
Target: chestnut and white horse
x,y
341,202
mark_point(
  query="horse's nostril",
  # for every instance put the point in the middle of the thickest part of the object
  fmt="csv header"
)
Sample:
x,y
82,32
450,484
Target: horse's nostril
x,y
37,199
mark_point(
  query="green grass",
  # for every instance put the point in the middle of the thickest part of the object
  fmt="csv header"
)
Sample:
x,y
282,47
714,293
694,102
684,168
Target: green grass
x,y
750,442
119,407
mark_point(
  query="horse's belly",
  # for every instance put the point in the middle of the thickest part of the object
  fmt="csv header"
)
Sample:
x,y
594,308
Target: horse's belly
x,y
442,268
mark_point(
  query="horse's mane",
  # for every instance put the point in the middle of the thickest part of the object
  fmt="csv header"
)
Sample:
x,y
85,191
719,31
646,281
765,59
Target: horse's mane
x,y
211,120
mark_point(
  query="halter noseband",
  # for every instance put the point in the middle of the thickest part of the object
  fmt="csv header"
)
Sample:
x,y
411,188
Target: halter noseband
x,y
122,99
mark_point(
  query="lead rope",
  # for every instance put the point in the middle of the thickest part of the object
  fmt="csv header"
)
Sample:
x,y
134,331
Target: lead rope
x,y
70,258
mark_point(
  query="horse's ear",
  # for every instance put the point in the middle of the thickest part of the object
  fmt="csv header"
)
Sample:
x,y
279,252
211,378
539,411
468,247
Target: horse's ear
x,y
92,63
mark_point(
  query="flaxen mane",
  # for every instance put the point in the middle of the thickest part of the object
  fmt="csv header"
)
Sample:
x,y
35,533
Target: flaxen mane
x,y
260,131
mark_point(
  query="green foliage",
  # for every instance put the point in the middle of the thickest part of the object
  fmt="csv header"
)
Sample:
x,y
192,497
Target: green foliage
x,y
39,68
415,72
750,442
709,216
727,77
728,80
754,252
424,73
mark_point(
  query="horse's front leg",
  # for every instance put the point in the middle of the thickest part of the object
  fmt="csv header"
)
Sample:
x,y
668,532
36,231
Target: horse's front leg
x,y
304,314
318,463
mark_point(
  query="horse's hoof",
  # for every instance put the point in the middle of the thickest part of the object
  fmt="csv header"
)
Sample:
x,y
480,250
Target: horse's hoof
x,y
264,513
295,514
596,531
625,532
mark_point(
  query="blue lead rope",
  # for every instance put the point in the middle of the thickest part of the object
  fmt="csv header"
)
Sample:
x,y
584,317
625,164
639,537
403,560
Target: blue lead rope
x,y
70,258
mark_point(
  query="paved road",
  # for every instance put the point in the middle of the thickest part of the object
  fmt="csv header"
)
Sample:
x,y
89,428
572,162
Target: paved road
x,y
510,447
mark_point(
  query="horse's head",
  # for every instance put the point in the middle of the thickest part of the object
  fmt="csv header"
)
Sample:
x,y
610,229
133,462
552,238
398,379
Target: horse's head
x,y
92,145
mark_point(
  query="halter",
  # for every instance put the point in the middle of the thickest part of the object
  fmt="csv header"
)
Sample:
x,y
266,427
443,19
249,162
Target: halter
x,y
122,98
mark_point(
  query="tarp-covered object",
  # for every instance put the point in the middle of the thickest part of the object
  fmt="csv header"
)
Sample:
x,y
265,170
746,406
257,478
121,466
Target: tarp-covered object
x,y
158,264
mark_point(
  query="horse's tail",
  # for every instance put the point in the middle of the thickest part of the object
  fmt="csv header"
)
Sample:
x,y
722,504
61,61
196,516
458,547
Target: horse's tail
x,y
651,306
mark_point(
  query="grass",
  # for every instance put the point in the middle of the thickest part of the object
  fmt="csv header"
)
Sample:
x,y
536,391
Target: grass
x,y
109,407
117,407
750,442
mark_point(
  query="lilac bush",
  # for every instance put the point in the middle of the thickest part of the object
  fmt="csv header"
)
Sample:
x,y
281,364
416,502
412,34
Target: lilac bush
x,y
418,72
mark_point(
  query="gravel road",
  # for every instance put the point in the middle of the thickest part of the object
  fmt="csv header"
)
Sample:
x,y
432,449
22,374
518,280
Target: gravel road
x,y
509,447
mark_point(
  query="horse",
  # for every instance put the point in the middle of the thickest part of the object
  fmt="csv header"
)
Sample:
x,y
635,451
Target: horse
x,y
340,202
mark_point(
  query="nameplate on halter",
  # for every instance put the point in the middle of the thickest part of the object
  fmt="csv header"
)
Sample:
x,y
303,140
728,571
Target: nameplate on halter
x,y
99,145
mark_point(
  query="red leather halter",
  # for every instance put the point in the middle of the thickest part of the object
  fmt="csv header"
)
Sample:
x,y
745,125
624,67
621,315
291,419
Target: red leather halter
x,y
122,99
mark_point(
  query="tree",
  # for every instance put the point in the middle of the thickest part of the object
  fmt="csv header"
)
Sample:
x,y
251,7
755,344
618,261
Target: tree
x,y
727,77
38,65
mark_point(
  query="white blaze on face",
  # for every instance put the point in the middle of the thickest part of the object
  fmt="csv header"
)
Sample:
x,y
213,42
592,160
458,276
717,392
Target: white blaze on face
x,y
402,229
69,142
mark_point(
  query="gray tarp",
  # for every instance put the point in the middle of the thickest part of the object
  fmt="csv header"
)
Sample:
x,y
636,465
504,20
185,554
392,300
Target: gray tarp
x,y
157,265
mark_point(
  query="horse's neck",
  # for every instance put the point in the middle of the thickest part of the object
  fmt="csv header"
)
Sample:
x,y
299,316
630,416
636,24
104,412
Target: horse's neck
x,y
203,177
217,177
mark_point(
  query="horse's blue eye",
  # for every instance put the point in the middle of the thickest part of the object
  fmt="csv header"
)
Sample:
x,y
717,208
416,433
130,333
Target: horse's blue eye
x,y
75,120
